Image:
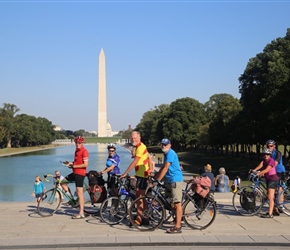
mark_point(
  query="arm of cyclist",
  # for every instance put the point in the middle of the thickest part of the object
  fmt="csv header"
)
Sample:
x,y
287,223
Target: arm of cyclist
x,y
162,172
72,165
255,170
107,170
264,171
131,166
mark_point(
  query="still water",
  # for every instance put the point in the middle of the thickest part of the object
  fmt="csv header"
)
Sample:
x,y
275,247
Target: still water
x,y
17,173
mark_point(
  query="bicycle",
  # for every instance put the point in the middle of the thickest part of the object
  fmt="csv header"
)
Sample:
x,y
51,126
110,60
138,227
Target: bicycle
x,y
198,212
51,200
114,209
249,200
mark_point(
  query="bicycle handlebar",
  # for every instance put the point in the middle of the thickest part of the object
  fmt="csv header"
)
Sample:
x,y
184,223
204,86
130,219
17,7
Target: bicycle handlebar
x,y
253,176
156,182
47,175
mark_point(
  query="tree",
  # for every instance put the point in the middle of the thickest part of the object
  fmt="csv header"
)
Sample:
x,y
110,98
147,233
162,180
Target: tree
x,y
265,91
221,109
183,122
148,125
7,116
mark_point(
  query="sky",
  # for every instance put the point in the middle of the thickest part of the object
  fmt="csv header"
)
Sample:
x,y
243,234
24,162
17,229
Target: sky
x,y
156,52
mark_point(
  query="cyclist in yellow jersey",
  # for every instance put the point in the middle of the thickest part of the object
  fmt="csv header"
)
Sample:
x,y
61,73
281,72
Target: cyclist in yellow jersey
x,y
141,164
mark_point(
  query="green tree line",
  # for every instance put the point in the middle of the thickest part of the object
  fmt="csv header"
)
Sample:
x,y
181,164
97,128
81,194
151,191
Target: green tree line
x,y
226,124
23,130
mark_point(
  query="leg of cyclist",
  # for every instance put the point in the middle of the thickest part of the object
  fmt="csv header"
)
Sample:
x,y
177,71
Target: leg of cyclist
x,y
64,184
280,189
177,198
271,188
79,179
141,186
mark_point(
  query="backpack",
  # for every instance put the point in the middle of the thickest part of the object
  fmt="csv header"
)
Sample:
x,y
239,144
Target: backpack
x,y
95,178
247,200
97,190
97,193
201,185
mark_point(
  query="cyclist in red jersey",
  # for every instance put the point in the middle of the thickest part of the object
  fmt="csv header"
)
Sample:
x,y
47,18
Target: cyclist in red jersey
x,y
79,166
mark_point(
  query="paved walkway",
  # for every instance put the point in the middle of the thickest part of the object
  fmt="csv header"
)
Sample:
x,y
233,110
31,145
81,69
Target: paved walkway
x,y
21,227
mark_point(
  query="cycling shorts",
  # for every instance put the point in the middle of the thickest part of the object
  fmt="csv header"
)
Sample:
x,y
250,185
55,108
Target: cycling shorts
x,y
141,183
272,184
78,179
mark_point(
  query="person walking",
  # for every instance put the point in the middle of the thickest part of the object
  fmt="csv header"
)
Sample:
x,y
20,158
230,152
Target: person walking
x,y
38,189
112,169
267,169
79,167
172,171
222,181
141,164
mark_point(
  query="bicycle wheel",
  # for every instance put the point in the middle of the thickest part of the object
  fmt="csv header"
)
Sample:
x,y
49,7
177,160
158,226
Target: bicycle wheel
x,y
152,215
113,210
48,205
284,197
199,214
90,208
248,201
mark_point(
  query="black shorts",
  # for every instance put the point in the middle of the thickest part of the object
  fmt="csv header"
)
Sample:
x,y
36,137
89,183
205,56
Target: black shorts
x,y
141,183
112,181
78,179
272,184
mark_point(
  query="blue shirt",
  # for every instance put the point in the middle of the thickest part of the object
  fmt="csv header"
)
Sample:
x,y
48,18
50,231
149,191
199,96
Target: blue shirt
x,y
174,173
114,160
38,187
277,156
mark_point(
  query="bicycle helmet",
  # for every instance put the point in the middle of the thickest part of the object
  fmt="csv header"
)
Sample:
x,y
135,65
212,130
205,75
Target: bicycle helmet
x,y
111,145
267,151
79,139
270,142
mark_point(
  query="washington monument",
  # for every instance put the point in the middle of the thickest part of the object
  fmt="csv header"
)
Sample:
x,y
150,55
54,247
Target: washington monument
x,y
104,128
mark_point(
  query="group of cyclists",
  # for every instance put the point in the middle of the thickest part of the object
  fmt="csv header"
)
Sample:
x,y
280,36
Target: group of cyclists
x,y
271,167
143,165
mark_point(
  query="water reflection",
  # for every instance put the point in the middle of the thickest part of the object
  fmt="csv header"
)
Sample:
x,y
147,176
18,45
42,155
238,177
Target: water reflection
x,y
17,173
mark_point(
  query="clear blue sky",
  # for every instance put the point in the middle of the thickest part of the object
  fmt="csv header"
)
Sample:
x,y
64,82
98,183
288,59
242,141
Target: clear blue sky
x,y
156,52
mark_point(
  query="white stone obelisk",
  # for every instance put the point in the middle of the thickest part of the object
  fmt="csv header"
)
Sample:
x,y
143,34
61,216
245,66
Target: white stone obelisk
x,y
102,102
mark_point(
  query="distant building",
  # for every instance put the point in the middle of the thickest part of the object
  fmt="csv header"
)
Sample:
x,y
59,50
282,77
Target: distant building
x,y
57,128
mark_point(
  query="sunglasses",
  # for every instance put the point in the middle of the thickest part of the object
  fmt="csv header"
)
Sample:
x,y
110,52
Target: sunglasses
x,y
270,146
111,150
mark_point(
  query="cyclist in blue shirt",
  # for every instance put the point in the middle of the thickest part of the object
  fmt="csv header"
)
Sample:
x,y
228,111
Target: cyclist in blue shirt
x,y
172,171
112,168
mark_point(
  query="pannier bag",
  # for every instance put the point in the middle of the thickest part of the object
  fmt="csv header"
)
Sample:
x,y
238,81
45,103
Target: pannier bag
x,y
201,185
97,190
97,193
247,199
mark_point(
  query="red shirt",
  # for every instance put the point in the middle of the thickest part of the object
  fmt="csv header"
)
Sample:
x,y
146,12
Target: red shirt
x,y
81,155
